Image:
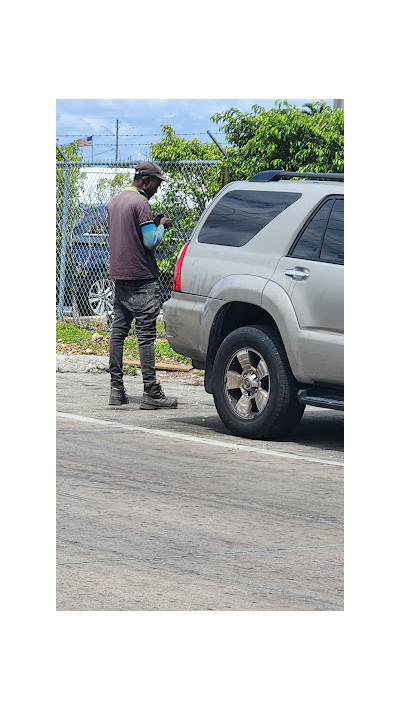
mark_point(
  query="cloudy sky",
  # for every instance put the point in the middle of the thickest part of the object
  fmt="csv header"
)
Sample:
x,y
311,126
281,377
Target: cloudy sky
x,y
140,121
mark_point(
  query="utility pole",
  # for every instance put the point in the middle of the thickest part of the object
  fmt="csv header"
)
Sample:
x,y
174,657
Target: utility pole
x,y
338,104
116,143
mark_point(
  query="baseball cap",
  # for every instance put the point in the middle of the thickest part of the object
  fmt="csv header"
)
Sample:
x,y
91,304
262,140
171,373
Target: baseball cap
x,y
147,168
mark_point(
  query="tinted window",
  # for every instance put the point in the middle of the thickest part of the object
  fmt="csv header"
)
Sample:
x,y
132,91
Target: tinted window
x,y
240,214
333,244
309,244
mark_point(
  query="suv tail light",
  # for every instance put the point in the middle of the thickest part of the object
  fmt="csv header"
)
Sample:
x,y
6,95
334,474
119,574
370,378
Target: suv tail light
x,y
176,286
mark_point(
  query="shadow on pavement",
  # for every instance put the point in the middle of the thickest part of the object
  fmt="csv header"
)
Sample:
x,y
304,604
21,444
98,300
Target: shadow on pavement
x,y
324,429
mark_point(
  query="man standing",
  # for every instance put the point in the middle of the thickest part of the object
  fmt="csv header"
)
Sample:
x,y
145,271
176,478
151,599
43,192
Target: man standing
x,y
134,234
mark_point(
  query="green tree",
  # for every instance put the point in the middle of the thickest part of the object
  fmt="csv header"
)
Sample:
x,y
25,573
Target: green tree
x,y
106,188
189,189
75,182
175,148
317,107
74,274
283,138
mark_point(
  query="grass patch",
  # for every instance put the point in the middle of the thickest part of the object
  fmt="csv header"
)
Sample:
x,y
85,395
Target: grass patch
x,y
74,339
164,350
71,333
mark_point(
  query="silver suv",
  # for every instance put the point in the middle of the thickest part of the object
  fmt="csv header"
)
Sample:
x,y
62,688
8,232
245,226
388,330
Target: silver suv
x,y
257,300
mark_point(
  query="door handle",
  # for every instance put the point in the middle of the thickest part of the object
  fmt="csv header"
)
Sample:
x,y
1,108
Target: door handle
x,y
298,273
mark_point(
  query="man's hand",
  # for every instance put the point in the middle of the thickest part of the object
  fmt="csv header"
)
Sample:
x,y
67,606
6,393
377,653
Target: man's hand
x,y
157,219
166,221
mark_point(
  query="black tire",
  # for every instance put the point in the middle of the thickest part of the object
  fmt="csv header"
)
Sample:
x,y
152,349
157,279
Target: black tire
x,y
254,390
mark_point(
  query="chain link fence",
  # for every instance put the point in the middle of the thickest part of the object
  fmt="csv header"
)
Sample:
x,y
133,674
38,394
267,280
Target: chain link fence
x,y
83,287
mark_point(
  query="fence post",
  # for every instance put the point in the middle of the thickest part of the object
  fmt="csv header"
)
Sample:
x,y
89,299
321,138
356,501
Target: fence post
x,y
225,170
60,306
224,177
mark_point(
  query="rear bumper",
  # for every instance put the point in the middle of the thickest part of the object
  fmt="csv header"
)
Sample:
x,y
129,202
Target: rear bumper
x,y
188,319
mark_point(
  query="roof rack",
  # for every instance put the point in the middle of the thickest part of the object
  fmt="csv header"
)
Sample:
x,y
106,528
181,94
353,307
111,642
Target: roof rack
x,y
268,175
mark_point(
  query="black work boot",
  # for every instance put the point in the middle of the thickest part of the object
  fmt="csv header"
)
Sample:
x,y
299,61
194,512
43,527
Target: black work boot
x,y
154,398
118,396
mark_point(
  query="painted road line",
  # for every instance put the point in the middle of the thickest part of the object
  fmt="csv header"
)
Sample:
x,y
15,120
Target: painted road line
x,y
198,440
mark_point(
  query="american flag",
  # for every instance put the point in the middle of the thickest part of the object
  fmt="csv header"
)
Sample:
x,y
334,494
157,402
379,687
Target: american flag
x,y
87,141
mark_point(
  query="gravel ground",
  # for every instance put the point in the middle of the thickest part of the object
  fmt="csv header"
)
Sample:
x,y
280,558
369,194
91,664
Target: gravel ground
x,y
99,364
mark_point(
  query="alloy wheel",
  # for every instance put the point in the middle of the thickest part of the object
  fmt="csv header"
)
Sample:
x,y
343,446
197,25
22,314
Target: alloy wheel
x,y
247,383
101,297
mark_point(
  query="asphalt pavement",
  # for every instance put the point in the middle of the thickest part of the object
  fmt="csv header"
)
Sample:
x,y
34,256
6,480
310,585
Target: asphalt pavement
x,y
169,511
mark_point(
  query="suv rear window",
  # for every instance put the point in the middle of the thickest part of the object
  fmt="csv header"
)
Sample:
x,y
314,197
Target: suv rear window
x,y
240,214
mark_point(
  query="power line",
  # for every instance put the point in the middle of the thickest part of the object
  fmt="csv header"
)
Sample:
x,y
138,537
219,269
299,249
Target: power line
x,y
102,152
129,135
123,145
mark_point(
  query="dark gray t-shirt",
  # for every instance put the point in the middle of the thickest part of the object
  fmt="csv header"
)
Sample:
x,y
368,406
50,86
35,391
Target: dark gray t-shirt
x,y
129,258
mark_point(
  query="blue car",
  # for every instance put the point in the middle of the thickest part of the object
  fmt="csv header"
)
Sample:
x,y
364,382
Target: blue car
x,y
87,284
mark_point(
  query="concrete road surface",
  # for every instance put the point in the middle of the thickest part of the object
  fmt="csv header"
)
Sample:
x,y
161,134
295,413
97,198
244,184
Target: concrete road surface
x,y
168,511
